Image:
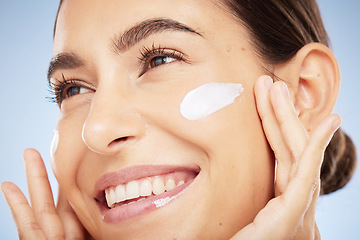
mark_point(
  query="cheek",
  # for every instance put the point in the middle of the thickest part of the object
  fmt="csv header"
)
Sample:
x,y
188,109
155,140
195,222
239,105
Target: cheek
x,y
240,165
242,169
69,149
69,164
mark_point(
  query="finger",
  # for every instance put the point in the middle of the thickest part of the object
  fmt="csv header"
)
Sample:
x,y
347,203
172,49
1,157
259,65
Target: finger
x,y
317,233
301,195
308,229
41,196
292,129
267,115
23,215
72,226
305,183
272,131
289,209
293,132
266,223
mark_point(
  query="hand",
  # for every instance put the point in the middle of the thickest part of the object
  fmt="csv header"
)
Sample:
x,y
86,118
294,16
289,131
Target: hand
x,y
291,213
41,220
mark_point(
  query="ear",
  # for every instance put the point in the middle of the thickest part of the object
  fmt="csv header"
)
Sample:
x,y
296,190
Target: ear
x,y
313,78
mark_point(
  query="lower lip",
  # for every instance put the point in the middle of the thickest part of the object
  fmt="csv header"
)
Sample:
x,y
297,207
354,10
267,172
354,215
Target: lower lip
x,y
126,212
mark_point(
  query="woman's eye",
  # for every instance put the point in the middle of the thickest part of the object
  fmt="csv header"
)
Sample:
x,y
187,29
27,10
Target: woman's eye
x,y
156,56
160,60
63,89
75,90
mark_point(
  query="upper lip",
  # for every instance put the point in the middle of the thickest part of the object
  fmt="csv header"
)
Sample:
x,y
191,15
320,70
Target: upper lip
x,y
128,174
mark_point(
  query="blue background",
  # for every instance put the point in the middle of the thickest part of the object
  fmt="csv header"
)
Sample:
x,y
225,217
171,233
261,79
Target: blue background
x,y
27,119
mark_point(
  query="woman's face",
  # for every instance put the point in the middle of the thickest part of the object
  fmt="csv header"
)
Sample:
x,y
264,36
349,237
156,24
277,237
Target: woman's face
x,y
128,65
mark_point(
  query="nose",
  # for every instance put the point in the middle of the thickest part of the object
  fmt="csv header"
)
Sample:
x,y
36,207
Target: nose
x,y
112,123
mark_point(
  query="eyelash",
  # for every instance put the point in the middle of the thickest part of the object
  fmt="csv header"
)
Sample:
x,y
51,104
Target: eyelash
x,y
58,88
149,54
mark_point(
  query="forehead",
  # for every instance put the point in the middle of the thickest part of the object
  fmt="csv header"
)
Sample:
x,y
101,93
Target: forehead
x,y
80,19
82,15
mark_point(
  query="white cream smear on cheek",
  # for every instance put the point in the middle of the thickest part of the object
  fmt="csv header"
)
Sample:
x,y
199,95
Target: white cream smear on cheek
x,y
209,98
54,143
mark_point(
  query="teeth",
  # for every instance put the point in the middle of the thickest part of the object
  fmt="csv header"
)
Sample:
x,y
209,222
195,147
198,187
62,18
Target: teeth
x,y
180,183
145,188
158,186
132,190
110,197
139,188
170,184
107,197
120,193
140,199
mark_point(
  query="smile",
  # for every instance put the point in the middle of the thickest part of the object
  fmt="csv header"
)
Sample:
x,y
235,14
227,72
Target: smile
x,y
135,191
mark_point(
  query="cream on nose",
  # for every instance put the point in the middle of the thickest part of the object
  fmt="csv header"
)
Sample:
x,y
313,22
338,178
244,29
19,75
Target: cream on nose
x,y
90,144
111,122
107,136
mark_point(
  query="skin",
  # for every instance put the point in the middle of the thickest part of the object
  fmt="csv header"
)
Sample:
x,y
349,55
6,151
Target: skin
x,y
234,148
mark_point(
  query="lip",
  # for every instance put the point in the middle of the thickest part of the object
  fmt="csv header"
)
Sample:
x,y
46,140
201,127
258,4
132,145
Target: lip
x,y
124,212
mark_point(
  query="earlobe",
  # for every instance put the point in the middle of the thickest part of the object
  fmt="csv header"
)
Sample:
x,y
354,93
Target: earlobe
x,y
314,83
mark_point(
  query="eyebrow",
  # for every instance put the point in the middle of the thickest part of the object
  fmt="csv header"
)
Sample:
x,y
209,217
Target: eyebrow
x,y
144,29
64,61
122,42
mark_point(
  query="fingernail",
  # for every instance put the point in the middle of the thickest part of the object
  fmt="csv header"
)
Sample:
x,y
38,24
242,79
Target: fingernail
x,y
1,188
285,89
336,124
268,82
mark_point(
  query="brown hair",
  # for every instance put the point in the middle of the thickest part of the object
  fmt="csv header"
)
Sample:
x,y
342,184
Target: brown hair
x,y
280,28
